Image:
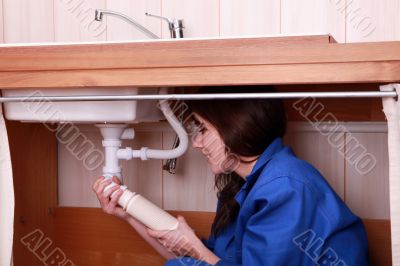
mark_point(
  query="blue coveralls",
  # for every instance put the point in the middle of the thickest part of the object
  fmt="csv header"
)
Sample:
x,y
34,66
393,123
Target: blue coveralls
x,y
289,215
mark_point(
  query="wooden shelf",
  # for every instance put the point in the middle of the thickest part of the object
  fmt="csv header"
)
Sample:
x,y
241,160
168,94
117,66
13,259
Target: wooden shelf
x,y
266,60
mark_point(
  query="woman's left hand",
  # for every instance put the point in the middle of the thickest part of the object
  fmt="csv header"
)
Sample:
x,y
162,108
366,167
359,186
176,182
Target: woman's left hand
x,y
183,241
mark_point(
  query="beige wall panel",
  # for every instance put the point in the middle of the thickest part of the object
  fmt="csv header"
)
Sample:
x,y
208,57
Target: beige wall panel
x,y
75,22
368,194
201,18
313,16
1,22
192,187
241,18
316,149
371,20
118,29
28,21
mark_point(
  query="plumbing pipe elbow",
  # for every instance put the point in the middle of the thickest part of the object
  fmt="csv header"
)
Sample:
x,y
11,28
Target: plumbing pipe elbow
x,y
145,153
179,129
129,133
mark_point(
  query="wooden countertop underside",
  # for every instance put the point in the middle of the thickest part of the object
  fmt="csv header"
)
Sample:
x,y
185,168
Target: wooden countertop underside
x,y
269,60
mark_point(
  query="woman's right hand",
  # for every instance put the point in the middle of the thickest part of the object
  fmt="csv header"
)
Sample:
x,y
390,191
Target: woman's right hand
x,y
109,203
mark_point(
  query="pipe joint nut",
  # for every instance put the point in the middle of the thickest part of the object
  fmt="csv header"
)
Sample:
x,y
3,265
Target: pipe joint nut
x,y
125,154
143,153
111,143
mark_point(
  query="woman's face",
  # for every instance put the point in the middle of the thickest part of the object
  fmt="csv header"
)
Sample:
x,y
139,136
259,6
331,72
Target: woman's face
x,y
208,140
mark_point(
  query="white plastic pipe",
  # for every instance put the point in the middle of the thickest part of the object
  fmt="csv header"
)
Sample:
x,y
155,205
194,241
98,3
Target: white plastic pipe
x,y
112,134
136,205
146,212
145,153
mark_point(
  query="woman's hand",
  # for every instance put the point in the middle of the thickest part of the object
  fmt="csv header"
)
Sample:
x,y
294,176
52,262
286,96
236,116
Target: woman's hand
x,y
184,242
109,203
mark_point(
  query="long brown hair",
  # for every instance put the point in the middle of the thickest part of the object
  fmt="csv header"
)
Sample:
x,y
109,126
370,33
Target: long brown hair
x,y
247,127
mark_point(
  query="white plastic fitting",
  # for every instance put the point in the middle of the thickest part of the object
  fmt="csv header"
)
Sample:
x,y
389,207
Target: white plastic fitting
x,y
145,211
111,142
129,133
145,153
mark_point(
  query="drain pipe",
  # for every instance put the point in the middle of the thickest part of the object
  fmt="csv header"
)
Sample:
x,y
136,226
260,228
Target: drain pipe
x,y
145,153
113,133
136,205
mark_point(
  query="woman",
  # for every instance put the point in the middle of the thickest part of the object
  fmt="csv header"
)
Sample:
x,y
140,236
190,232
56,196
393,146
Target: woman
x,y
273,208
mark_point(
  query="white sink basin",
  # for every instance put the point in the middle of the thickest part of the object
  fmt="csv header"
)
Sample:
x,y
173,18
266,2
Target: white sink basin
x,y
82,112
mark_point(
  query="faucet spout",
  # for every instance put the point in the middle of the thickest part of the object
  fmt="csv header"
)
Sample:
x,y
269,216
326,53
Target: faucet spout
x,y
99,14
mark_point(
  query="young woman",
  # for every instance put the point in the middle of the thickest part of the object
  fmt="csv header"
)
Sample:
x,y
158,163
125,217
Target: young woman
x,y
273,208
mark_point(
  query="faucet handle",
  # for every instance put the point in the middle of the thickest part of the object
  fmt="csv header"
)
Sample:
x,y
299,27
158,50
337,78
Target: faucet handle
x,y
175,25
169,20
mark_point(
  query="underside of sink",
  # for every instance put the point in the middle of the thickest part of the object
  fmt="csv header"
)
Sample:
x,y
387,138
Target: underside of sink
x,y
82,111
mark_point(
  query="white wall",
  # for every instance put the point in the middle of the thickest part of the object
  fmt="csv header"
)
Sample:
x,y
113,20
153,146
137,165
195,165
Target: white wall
x,y
71,20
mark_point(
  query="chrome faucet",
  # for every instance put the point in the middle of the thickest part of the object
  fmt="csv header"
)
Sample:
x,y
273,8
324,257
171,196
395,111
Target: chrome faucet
x,y
175,27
